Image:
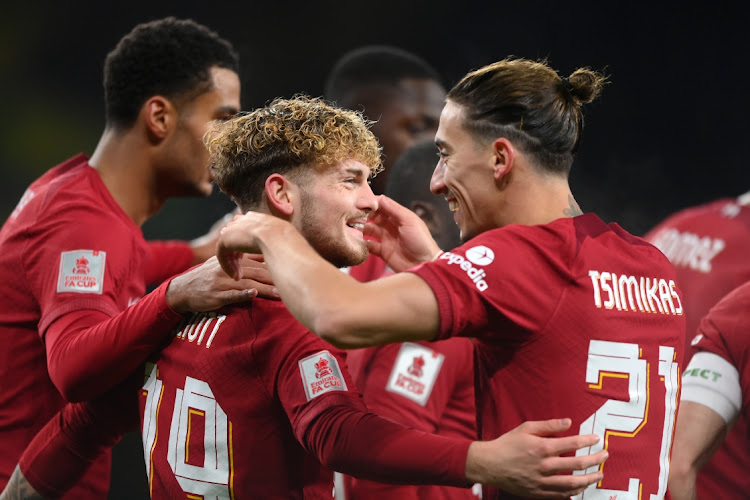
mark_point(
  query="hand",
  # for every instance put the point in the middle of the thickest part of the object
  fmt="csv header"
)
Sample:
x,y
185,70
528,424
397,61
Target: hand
x,y
238,237
402,239
205,246
524,462
207,287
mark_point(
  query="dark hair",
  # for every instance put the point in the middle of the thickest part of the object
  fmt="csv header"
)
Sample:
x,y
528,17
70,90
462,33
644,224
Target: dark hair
x,y
409,177
373,65
169,57
528,103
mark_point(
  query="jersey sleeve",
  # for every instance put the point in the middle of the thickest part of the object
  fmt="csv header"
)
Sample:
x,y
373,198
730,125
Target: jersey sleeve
x,y
89,352
165,259
725,333
82,260
501,277
65,447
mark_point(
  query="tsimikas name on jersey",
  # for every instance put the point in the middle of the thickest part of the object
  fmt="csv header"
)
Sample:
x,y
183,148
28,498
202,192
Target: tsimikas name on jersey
x,y
630,293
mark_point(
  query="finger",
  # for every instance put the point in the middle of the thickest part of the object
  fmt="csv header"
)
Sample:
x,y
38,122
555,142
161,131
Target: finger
x,y
374,247
568,485
265,291
567,444
229,261
557,465
545,427
258,274
237,296
373,230
254,258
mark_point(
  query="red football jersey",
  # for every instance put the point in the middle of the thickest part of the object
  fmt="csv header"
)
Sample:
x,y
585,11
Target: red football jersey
x,y
67,246
709,247
229,400
726,332
428,386
575,319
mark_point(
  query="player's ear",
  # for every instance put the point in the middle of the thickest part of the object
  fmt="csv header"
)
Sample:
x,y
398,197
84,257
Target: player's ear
x,y
159,117
281,194
503,156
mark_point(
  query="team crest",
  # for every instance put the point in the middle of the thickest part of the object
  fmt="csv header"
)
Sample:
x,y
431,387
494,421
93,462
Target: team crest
x,y
321,374
415,371
81,271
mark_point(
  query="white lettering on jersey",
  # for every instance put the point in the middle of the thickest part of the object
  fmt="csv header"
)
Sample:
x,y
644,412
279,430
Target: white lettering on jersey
x,y
81,271
628,293
688,249
320,374
199,325
414,373
479,255
28,195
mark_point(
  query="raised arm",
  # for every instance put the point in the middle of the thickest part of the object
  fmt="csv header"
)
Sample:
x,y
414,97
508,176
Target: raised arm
x,y
319,295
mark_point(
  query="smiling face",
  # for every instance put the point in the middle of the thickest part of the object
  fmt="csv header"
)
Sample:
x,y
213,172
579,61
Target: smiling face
x,y
335,203
186,154
464,174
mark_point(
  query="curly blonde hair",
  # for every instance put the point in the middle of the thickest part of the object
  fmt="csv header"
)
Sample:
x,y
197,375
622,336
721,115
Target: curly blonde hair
x,y
284,137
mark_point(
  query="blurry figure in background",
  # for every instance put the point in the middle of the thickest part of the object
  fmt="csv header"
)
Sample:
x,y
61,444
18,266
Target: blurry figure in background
x,y
426,385
711,454
709,246
398,90
73,260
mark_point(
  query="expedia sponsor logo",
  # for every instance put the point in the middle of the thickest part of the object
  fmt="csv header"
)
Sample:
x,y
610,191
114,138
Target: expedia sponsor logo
x,y
480,255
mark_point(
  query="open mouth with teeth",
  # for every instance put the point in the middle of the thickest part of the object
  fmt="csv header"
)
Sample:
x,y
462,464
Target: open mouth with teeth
x,y
453,205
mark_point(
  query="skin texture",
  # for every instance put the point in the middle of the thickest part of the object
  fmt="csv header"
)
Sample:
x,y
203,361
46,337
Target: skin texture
x,y
698,434
405,116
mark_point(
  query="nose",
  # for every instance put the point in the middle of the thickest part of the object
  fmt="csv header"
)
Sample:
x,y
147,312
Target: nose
x,y
437,182
367,201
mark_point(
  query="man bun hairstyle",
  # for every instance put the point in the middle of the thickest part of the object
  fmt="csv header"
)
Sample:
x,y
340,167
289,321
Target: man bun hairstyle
x,y
528,103
169,57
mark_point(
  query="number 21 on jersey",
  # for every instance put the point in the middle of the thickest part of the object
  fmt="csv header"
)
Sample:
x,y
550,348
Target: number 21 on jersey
x,y
627,418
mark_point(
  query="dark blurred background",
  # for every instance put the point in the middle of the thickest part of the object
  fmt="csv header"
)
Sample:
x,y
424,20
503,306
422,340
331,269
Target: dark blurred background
x,y
669,130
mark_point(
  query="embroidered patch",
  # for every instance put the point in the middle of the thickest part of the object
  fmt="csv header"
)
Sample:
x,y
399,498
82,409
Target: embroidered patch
x,y
320,374
81,271
414,372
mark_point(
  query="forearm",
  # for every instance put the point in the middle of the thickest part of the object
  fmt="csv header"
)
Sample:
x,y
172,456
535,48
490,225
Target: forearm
x,y
366,446
19,488
62,451
88,355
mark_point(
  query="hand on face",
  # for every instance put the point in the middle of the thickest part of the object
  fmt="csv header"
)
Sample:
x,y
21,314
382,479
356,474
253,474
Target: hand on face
x,y
402,239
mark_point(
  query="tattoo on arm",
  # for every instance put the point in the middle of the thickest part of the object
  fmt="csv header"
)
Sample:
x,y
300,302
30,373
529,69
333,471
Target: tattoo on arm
x,y
573,210
18,488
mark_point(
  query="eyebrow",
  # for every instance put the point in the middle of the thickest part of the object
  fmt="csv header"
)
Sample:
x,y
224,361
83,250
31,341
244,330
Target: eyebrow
x,y
356,171
227,110
440,143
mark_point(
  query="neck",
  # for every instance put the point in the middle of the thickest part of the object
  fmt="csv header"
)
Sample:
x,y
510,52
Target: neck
x,y
538,199
123,162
